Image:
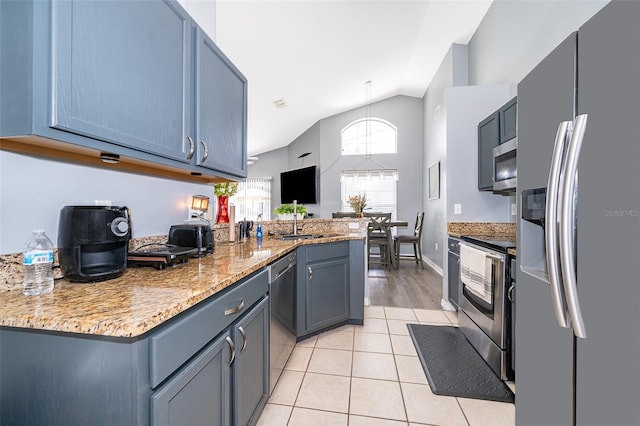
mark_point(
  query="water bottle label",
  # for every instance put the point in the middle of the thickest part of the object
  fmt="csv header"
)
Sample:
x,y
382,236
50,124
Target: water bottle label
x,y
36,257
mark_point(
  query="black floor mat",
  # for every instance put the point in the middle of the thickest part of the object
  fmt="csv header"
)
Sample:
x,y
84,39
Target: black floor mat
x,y
453,366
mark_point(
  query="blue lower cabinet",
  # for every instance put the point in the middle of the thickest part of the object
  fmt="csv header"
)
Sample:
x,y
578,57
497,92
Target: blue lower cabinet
x,y
200,394
326,293
330,286
208,365
251,365
226,384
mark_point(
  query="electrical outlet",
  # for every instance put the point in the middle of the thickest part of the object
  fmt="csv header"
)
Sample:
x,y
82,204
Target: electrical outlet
x,y
457,209
102,202
436,246
514,209
353,225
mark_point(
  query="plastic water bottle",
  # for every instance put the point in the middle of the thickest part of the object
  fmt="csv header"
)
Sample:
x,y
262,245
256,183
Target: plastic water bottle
x,y
38,264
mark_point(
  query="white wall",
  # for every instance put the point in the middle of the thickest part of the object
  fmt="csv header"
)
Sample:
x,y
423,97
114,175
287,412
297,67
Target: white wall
x,y
466,106
323,141
514,36
309,141
269,165
450,73
406,114
33,190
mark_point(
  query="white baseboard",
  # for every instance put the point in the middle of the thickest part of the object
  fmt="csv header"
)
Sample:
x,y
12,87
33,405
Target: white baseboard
x,y
433,265
446,305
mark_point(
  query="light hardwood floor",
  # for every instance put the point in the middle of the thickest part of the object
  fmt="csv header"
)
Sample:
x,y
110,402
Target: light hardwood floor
x,y
406,287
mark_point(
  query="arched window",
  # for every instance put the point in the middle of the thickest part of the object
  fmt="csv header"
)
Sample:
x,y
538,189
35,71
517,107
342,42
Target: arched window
x,y
382,137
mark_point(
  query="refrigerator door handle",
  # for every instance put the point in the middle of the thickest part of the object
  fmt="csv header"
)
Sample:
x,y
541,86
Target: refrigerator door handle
x,y
551,226
567,226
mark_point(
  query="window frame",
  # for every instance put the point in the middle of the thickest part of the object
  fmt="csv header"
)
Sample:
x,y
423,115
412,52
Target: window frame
x,y
366,143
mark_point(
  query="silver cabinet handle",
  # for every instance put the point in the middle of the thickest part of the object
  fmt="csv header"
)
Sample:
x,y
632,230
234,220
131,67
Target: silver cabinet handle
x,y
310,272
510,293
235,309
206,152
233,350
244,339
567,225
551,226
192,148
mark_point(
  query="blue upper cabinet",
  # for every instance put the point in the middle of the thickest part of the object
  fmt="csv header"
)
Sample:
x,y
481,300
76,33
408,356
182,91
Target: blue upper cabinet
x,y
508,120
221,110
121,73
135,78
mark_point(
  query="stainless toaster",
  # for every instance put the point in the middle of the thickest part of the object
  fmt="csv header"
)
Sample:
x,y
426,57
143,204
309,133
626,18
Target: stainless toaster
x,y
199,236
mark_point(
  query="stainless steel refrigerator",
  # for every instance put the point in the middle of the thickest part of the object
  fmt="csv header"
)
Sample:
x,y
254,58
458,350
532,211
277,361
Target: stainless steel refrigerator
x,y
578,346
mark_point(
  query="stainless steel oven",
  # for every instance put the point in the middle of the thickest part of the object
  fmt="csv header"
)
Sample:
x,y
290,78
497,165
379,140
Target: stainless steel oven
x,y
505,172
486,324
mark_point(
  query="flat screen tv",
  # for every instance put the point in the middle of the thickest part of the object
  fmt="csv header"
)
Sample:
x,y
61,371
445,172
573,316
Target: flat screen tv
x,y
300,184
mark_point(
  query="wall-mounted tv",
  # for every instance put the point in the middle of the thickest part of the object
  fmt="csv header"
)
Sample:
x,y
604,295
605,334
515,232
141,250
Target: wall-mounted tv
x,y
301,185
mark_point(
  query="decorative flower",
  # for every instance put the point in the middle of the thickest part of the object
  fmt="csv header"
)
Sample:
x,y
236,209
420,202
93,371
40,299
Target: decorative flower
x,y
358,202
226,189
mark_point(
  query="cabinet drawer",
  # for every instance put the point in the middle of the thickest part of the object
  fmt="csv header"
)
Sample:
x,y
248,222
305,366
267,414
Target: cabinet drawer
x,y
327,251
182,338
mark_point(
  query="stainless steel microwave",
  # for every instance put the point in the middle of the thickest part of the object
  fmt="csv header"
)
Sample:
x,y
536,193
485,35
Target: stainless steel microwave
x,y
505,171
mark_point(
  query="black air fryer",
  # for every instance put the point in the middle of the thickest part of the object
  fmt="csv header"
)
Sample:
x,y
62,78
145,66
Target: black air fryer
x,y
93,242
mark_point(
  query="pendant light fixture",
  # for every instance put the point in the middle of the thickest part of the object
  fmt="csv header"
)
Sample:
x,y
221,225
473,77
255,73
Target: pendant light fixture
x,y
367,122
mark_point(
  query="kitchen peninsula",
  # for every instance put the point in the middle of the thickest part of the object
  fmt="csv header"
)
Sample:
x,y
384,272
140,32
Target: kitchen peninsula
x,y
119,351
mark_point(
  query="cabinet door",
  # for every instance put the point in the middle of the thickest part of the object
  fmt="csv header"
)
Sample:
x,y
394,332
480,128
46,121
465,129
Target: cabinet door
x,y
508,120
488,138
200,393
122,74
221,110
327,293
251,367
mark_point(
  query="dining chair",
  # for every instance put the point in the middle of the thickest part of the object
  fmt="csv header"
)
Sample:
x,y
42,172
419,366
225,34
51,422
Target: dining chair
x,y
338,215
414,240
379,236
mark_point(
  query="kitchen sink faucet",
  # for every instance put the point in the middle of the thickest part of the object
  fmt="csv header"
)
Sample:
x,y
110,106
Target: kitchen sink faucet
x,y
295,217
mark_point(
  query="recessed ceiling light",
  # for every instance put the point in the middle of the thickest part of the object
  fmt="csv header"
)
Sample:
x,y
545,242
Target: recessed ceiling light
x,y
280,103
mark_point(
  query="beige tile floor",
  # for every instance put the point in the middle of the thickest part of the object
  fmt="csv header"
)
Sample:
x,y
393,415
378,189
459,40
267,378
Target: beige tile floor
x,y
371,375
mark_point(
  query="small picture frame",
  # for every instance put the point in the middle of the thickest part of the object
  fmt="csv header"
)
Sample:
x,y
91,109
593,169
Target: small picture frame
x,y
433,181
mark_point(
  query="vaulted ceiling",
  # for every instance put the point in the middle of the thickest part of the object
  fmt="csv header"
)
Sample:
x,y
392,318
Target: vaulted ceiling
x,y
317,55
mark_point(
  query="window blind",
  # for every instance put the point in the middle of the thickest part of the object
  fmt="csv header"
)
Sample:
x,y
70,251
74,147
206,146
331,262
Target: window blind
x,y
253,198
379,186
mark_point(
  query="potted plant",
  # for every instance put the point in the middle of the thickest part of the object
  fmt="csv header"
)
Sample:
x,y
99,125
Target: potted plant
x,y
285,211
358,203
223,191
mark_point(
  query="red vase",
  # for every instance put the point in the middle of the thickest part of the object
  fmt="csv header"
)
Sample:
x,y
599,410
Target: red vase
x,y
223,209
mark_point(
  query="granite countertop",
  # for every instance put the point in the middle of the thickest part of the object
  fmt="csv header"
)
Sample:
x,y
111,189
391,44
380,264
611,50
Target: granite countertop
x,y
484,231
143,297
